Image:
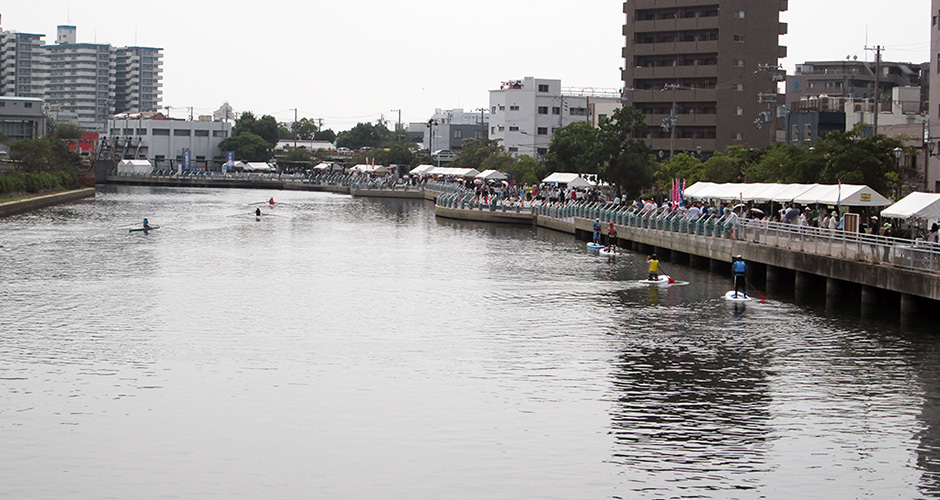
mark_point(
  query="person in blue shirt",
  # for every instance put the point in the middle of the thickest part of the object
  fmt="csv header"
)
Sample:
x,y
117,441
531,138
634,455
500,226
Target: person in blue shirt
x,y
146,223
597,231
739,267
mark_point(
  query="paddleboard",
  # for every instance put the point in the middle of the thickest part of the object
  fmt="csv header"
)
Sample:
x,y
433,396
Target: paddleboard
x,y
737,297
594,246
608,253
145,229
662,280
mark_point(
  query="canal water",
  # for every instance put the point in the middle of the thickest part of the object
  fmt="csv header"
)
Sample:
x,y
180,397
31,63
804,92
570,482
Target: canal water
x,y
360,348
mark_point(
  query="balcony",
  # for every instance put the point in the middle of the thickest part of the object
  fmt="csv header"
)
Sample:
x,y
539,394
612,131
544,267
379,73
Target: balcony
x,y
710,71
644,49
681,24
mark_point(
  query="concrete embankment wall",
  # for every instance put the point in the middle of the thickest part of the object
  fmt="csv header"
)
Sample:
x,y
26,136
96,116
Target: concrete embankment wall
x,y
20,206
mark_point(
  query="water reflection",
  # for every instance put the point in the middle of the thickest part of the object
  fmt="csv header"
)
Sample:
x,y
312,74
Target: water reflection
x,y
365,335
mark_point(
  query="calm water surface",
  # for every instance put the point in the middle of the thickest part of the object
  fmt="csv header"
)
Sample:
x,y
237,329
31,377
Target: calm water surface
x,y
359,348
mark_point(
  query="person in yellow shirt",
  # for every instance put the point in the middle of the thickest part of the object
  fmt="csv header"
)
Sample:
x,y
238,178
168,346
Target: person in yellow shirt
x,y
654,267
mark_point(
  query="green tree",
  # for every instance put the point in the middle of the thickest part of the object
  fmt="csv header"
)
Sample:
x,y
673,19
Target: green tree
x,y
266,127
248,147
364,135
284,133
576,147
476,151
304,129
526,170
846,157
325,135
68,131
38,155
680,166
627,162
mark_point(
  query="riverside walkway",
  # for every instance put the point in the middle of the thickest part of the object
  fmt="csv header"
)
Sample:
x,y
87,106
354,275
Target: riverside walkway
x,y
875,272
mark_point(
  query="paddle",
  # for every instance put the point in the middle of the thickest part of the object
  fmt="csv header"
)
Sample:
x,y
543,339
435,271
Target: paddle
x,y
760,295
671,280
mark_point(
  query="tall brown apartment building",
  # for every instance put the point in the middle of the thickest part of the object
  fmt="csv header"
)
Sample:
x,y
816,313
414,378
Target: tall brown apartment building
x,y
704,72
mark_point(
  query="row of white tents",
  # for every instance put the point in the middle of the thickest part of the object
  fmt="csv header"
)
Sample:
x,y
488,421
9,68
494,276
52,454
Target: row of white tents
x,y
852,195
924,206
431,170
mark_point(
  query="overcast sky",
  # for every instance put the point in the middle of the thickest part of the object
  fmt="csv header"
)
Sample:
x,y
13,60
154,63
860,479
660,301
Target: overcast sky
x,y
353,60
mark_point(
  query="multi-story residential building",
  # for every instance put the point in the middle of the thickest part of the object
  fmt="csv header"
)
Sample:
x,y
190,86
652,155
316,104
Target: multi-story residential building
x,y
852,79
447,129
162,140
932,135
704,72
22,118
22,66
88,80
525,114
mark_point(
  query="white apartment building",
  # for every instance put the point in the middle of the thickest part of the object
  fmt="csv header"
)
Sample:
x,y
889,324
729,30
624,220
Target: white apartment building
x,y
447,129
88,80
162,140
22,64
524,114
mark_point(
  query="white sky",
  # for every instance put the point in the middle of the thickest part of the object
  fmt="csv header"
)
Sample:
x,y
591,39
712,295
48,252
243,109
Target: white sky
x,y
353,60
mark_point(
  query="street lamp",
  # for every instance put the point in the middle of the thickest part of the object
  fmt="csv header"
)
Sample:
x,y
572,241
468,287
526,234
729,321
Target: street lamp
x,y
897,158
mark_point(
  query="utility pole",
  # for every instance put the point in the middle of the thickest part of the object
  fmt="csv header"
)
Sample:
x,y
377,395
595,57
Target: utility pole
x,y
669,124
484,133
398,126
877,50
770,99
294,126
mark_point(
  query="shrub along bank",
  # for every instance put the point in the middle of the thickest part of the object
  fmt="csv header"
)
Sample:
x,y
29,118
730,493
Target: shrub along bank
x,y
15,183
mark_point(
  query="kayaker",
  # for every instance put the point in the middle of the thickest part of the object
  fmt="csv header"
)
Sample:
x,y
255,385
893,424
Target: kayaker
x,y
271,201
257,212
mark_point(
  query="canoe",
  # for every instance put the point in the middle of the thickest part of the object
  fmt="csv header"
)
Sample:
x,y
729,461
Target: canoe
x,y
144,229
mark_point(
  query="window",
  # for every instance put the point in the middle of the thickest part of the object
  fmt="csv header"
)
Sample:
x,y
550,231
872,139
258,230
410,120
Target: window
x,y
739,111
513,150
492,130
2,104
181,132
739,63
738,14
543,87
218,133
807,132
601,117
556,110
737,136
543,110
128,131
513,128
541,151
795,134
493,110
27,104
738,87
514,107
161,131
458,134
738,38
542,131
141,131
502,107
501,128
201,133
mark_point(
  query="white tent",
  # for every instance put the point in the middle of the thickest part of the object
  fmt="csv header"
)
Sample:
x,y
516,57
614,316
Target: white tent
x,y
455,172
257,166
134,167
851,195
923,205
569,179
324,166
492,175
421,169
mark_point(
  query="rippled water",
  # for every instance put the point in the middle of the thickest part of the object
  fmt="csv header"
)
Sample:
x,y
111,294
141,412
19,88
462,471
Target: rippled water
x,y
359,348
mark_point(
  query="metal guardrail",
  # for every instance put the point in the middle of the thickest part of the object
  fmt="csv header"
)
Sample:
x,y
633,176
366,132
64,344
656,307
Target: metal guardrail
x,y
859,247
